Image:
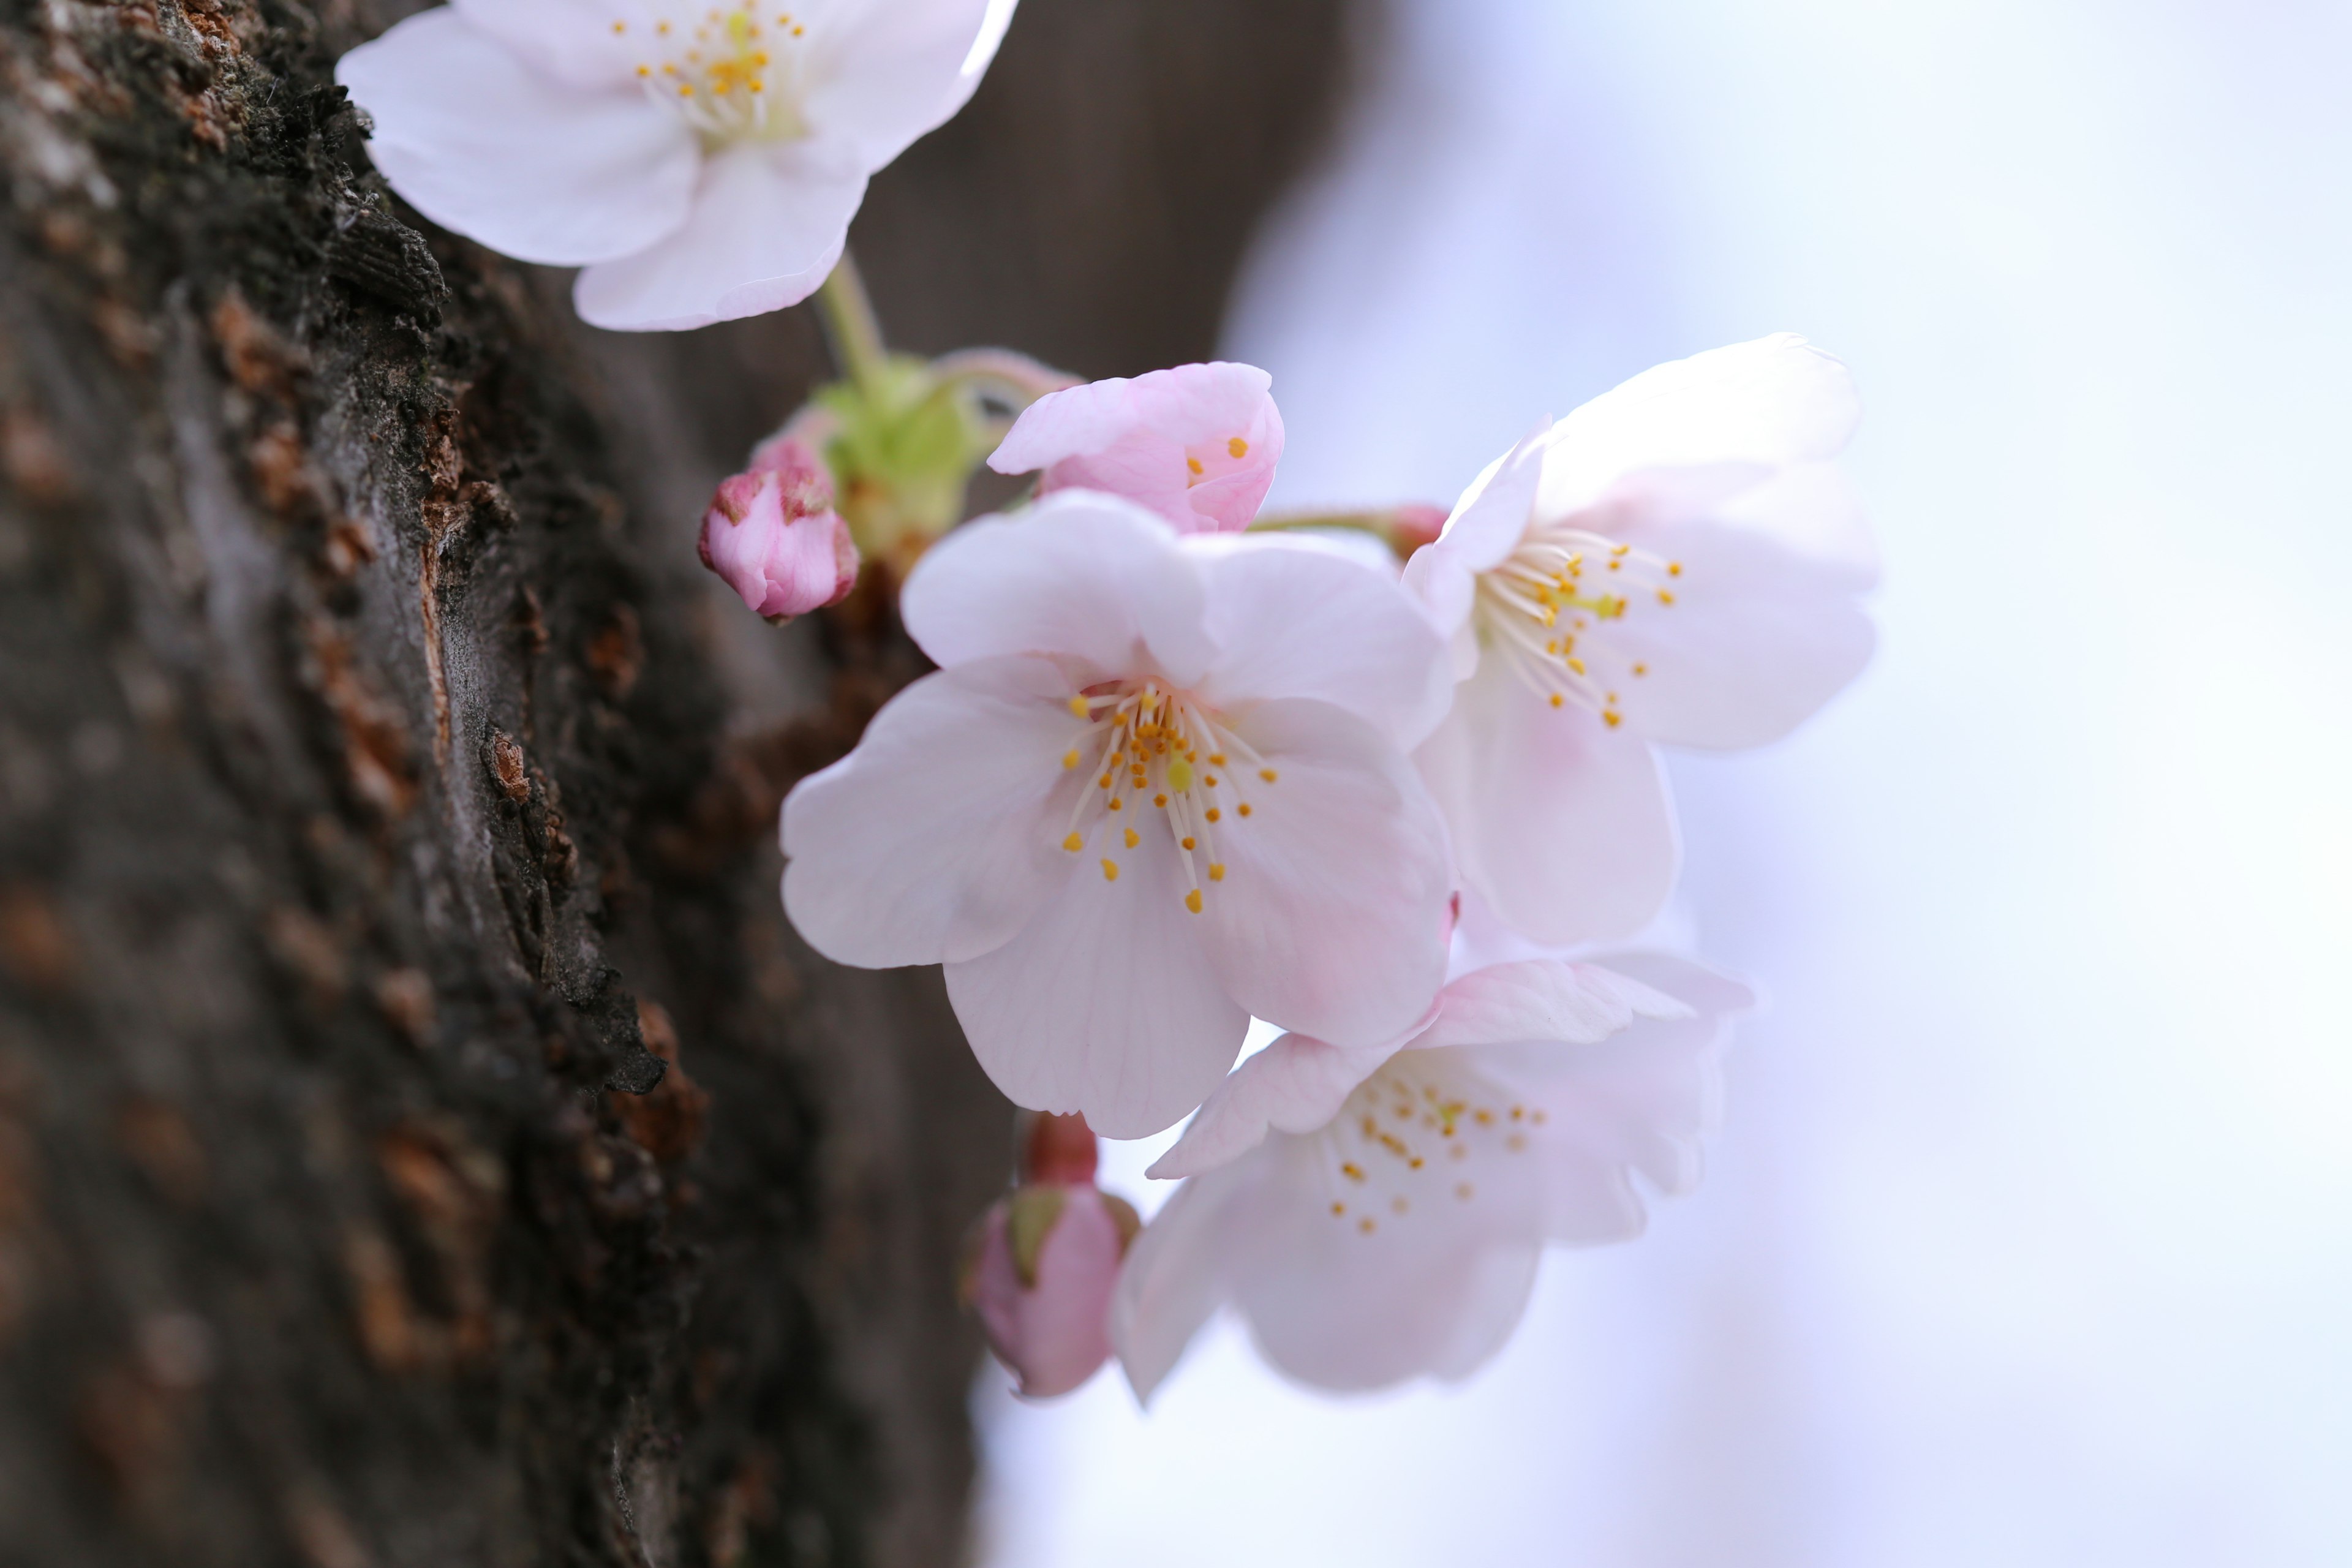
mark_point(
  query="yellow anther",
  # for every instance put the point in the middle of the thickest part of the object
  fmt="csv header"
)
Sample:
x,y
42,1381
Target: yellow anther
x,y
1414,1163
1244,808
1194,463
1110,871
1518,1113
1463,1190
661,28
1217,759
1193,900
798,30
1367,1225
1557,699
1216,870
1664,597
1116,803
1073,843
1212,814
620,27
1641,670
686,90
1078,706
644,71
1616,566
1619,548
1397,1205
1132,839
1103,783
1237,447
1614,718
1577,665
1352,1170
1339,1208
759,86
1070,759
1483,1118
1269,775
1188,844
1209,779
1673,568
1160,801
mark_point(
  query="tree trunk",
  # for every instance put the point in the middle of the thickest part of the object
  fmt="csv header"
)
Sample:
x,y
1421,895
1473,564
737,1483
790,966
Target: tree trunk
x,y
422,1140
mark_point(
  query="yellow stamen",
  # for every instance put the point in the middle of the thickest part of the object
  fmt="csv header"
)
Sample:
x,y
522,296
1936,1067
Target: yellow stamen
x,y
1244,808
1557,699
1615,719
1213,813
1216,871
1110,871
1070,759
1188,846
1269,775
1078,706
1132,839
1237,447
1193,900
1194,463
1074,844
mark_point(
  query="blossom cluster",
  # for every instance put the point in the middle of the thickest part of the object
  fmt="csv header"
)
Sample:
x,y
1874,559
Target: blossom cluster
x,y
1389,786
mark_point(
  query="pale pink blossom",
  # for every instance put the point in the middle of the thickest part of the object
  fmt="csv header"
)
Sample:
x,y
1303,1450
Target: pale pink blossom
x,y
1378,1216
1046,1258
1158,786
772,534
1676,562
700,165
1196,444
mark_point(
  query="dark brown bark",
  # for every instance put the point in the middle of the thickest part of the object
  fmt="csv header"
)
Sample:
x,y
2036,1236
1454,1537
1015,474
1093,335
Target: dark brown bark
x,y
421,1141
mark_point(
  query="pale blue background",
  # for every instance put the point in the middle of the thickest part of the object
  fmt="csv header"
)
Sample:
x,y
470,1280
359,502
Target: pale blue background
x,y
2029,1238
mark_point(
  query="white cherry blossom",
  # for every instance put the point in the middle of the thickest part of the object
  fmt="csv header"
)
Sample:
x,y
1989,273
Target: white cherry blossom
x,y
1375,1227
1676,562
700,161
1159,785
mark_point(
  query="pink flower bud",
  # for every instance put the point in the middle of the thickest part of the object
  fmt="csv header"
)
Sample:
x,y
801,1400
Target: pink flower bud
x,y
772,534
1196,444
1041,1281
1056,1149
1415,525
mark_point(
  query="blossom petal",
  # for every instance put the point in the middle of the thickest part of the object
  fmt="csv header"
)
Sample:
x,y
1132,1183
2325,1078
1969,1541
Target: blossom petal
x,y
572,41
483,145
1106,1003
1196,444
1295,617
935,839
1080,577
1425,1293
1542,999
1562,823
883,72
1298,1084
1330,917
1814,512
1757,639
767,223
1174,1275
1774,402
1486,525
1641,1101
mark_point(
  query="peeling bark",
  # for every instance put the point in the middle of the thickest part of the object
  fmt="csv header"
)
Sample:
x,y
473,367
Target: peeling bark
x,y
422,1140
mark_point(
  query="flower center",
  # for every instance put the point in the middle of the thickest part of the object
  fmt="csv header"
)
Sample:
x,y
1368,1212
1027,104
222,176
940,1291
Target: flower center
x,y
1416,1134
1152,750
1220,454
734,75
1550,605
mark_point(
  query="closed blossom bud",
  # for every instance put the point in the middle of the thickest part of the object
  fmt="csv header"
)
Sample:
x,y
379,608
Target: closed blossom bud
x,y
772,534
1046,1260
1415,525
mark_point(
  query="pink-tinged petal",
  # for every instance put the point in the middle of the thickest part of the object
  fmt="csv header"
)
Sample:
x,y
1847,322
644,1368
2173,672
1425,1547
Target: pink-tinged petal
x,y
1196,444
936,839
1106,1003
1486,524
1294,617
767,223
772,534
1175,1273
572,41
1774,402
1562,823
1330,919
1295,1085
881,73
485,146
1643,1100
1814,512
1757,639
1084,577
1542,999
1052,1331
1431,1292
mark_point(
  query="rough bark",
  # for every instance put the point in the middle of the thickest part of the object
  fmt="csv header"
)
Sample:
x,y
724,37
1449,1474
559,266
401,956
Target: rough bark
x,y
421,1141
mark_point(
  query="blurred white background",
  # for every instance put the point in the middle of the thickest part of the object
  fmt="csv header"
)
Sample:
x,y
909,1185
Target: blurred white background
x,y
2029,1240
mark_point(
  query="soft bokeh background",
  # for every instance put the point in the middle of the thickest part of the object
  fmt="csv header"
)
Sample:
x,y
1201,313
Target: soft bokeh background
x,y
2029,1238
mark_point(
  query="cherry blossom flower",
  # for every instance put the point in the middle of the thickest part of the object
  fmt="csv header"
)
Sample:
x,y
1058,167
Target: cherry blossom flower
x,y
1373,1228
1197,444
772,534
1159,785
1046,1258
700,163
1676,562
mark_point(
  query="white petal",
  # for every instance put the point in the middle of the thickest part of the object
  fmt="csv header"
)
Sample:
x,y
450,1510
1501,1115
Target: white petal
x,y
483,145
1542,999
1486,524
767,224
1174,1275
571,40
1298,1084
935,839
1079,575
1295,617
1757,639
883,72
1106,1002
1774,402
1813,511
1431,1292
1562,823
1330,920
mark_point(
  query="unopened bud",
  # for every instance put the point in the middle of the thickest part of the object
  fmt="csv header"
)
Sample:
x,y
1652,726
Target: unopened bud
x,y
772,534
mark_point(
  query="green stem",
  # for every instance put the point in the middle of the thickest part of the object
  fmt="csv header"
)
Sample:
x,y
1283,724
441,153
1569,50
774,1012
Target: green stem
x,y
1376,523
850,326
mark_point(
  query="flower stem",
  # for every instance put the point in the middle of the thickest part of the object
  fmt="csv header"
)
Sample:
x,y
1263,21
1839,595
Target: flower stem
x,y
850,325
